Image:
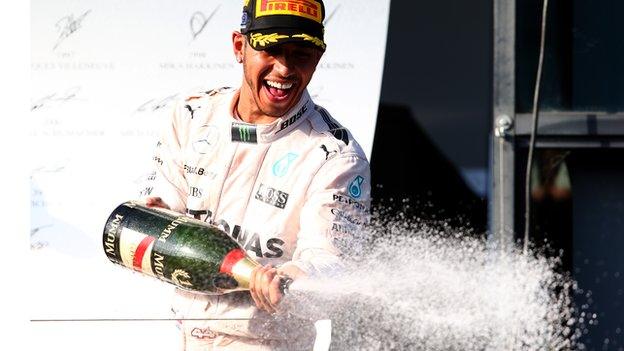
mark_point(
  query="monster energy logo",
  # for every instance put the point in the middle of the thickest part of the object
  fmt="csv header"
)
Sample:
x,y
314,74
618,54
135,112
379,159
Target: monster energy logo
x,y
244,133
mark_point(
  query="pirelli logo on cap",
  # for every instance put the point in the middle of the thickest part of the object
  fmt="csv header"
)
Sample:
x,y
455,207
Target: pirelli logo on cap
x,y
304,8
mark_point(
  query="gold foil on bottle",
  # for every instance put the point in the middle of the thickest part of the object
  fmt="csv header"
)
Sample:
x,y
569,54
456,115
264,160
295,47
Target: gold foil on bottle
x,y
241,271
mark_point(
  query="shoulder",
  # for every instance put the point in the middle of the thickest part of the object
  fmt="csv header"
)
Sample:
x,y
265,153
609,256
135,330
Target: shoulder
x,y
343,170
196,106
195,109
205,98
334,139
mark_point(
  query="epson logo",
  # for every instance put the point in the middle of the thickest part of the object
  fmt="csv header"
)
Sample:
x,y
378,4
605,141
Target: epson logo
x,y
271,196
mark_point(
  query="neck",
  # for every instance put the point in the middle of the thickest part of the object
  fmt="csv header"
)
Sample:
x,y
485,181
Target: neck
x,y
248,111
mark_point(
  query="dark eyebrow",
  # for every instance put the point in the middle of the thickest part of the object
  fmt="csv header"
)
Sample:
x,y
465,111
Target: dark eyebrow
x,y
274,50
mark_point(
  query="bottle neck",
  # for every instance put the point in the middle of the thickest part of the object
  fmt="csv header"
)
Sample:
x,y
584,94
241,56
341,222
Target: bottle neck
x,y
239,266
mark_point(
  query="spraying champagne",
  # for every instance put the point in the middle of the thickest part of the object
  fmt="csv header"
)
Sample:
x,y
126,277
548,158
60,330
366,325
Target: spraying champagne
x,y
180,250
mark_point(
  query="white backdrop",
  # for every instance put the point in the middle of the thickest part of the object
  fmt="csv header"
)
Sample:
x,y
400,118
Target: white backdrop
x,y
103,75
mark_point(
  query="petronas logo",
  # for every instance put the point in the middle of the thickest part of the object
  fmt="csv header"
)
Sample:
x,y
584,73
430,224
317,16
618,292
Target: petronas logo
x,y
280,167
355,188
244,133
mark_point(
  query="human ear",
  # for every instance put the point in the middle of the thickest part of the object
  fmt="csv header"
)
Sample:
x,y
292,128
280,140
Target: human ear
x,y
238,45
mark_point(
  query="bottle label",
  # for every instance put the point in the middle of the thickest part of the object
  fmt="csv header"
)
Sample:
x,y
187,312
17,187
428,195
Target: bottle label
x,y
136,250
111,246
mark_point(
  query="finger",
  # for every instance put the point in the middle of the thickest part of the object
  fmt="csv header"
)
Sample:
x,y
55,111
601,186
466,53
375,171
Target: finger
x,y
255,286
152,201
261,282
156,201
252,286
275,295
269,276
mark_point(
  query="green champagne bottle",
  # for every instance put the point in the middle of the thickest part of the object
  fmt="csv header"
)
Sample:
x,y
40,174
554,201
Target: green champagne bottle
x,y
177,249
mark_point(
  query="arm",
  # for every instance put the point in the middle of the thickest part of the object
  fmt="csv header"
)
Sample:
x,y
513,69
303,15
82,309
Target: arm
x,y
335,210
168,188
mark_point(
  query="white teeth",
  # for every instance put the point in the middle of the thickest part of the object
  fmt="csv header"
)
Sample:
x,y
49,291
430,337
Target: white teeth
x,y
277,85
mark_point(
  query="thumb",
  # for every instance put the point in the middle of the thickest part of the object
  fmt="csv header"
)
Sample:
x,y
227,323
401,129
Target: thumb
x,y
155,201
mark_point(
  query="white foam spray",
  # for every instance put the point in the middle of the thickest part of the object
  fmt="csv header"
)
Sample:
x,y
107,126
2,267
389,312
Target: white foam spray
x,y
412,287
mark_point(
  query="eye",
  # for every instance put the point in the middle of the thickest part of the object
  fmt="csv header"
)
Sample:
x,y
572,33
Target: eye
x,y
273,51
303,54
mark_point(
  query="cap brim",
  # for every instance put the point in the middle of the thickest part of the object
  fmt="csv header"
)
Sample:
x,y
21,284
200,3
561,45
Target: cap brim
x,y
266,38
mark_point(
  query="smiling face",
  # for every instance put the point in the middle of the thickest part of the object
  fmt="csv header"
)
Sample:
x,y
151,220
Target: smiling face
x,y
274,78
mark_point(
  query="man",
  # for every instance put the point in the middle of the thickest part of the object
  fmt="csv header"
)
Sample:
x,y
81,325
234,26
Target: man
x,y
272,169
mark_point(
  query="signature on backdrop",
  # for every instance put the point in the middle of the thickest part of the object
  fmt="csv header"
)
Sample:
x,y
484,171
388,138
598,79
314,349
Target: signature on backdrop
x,y
67,95
199,21
67,26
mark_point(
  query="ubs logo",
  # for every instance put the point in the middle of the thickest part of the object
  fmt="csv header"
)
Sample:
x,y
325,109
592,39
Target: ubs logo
x,y
281,166
210,138
271,196
195,192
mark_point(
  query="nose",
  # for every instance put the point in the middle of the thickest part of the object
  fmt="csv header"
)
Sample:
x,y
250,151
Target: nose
x,y
284,66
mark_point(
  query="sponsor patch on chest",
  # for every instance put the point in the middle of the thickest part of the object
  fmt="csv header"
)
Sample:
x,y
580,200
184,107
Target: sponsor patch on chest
x,y
271,196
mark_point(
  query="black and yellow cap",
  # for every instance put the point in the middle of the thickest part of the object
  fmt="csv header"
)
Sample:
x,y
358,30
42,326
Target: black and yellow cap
x,y
271,22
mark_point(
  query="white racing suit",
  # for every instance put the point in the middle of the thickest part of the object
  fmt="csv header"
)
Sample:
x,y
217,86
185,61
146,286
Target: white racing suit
x,y
287,192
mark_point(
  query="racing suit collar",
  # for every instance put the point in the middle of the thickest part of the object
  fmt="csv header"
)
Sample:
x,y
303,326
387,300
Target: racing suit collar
x,y
266,133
